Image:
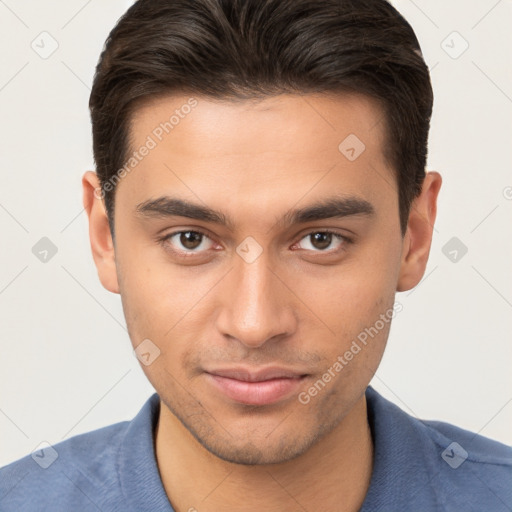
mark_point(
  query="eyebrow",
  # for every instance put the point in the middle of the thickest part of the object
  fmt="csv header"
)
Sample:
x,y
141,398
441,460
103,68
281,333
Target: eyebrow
x,y
332,207
173,207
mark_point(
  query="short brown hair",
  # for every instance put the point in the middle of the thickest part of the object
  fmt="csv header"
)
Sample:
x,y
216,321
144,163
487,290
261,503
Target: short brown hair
x,y
247,49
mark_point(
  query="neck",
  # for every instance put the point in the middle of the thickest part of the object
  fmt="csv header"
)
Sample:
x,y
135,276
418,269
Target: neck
x,y
334,474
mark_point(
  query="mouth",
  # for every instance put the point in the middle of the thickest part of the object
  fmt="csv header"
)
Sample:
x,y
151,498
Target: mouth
x,y
259,387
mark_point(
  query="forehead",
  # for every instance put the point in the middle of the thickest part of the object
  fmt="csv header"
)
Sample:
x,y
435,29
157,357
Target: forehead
x,y
269,150
281,122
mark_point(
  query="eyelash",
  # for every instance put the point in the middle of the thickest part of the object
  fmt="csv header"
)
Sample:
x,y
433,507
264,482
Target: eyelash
x,y
184,254
343,238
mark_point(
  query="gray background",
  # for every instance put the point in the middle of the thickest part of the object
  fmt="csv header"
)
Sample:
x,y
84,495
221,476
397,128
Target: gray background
x,y
66,364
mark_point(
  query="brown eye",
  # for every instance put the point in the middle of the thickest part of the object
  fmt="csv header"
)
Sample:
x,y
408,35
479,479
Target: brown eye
x,y
191,239
188,242
321,240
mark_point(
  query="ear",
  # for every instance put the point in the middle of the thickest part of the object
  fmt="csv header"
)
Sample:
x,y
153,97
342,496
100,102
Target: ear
x,y
418,237
102,244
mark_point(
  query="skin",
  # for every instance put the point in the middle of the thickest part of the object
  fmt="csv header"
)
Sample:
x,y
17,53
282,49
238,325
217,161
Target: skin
x,y
299,305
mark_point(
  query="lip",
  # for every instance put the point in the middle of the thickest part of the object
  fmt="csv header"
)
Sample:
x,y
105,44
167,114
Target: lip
x,y
257,387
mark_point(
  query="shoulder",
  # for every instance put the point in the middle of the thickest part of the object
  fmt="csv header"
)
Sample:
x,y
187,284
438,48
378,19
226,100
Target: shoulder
x,y
478,448
78,473
433,464
475,471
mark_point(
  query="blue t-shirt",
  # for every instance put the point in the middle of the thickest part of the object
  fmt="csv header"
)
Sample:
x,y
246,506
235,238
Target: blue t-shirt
x,y
419,466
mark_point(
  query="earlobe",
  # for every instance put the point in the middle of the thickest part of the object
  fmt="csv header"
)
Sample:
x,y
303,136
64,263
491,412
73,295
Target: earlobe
x,y
102,245
418,238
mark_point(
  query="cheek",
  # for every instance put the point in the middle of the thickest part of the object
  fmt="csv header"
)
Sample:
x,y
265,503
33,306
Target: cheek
x,y
349,299
169,306
146,297
369,283
349,296
153,291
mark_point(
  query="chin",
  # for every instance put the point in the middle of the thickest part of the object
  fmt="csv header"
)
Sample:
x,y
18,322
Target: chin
x,y
260,450
250,454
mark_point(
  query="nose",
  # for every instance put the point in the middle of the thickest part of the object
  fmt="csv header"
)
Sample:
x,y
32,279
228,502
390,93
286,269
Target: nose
x,y
256,305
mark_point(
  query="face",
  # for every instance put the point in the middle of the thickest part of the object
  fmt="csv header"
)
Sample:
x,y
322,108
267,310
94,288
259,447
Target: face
x,y
254,251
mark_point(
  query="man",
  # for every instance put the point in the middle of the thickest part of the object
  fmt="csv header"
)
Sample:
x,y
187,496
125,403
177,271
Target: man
x,y
260,196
